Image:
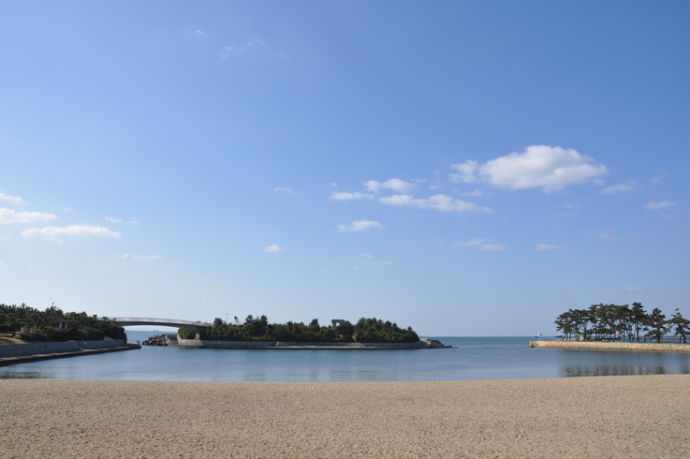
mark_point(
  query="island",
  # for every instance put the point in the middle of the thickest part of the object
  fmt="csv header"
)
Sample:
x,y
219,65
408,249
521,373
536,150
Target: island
x,y
614,327
29,334
259,333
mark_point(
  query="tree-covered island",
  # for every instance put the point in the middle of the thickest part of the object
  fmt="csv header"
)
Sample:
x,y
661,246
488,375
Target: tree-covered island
x,y
621,322
52,324
365,330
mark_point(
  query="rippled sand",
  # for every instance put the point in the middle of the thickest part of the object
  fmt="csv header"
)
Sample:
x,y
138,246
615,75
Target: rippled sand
x,y
632,416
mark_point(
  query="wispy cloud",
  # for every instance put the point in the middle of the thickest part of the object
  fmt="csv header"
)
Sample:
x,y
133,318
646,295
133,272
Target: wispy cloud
x,y
633,288
369,260
661,175
273,248
619,188
16,200
56,233
360,225
8,216
548,247
440,202
253,46
475,193
283,190
347,196
199,34
658,205
550,168
131,221
482,244
608,235
393,184
126,256
238,49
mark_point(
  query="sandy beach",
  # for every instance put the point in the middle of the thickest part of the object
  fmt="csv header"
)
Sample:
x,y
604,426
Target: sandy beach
x,y
634,416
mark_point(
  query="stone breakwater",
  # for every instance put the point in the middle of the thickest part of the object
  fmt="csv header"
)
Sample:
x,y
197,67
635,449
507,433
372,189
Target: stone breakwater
x,y
612,346
160,340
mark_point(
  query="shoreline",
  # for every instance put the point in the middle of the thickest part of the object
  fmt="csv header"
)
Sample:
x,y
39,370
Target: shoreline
x,y
22,353
682,348
625,416
424,343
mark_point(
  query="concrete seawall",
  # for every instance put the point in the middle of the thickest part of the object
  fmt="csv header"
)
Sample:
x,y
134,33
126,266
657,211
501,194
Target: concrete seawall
x,y
30,352
612,346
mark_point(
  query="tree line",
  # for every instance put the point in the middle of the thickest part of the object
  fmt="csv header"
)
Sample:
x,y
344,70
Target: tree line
x,y
369,330
36,325
624,322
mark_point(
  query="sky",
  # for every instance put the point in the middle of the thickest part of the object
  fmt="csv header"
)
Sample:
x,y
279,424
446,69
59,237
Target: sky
x,y
462,167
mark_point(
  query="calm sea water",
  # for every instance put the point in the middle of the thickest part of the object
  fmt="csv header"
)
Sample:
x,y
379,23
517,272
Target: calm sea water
x,y
471,358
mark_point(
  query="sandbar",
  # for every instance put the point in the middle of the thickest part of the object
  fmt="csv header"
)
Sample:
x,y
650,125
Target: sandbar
x,y
623,416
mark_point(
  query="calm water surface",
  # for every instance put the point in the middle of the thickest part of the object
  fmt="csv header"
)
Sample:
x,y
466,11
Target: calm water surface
x,y
471,358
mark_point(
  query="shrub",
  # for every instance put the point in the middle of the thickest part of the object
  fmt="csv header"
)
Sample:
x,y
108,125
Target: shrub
x,y
186,333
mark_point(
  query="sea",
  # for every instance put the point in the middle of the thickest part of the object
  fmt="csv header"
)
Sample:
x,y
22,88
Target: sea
x,y
475,358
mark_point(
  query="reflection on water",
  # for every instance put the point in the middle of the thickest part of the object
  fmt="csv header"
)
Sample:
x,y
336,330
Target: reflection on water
x,y
22,375
618,370
615,370
471,358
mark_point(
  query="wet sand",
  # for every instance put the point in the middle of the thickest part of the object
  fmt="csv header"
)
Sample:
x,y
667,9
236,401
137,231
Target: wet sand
x,y
629,416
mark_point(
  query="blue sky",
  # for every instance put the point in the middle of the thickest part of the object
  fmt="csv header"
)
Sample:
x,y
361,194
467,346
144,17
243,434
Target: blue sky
x,y
467,168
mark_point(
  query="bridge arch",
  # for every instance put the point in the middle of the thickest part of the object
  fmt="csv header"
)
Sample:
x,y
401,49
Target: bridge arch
x,y
197,326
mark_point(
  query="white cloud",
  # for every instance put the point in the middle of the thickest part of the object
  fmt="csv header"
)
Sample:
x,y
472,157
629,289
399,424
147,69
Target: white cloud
x,y
360,225
619,188
633,289
393,184
199,34
273,248
67,209
550,168
12,216
465,172
440,202
11,199
140,257
58,232
131,221
346,196
657,205
283,190
548,247
482,244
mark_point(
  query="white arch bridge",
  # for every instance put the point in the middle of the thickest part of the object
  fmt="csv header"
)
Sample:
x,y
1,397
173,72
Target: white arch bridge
x,y
196,326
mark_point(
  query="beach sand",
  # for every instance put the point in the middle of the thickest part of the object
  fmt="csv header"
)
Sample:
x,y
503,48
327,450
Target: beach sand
x,y
629,416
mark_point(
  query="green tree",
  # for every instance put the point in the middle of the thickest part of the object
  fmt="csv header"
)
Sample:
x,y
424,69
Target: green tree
x,y
657,325
680,325
639,319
